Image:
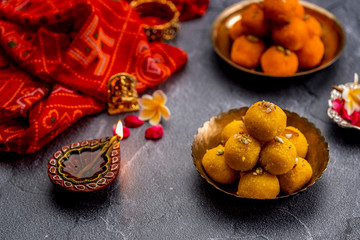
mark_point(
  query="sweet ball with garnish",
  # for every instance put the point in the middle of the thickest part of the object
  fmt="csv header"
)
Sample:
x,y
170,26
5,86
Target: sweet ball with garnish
x,y
278,156
215,166
242,152
264,121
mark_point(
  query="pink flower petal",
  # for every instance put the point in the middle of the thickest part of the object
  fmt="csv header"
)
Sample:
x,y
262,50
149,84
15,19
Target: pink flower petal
x,y
344,114
133,121
114,129
154,132
354,118
337,105
126,132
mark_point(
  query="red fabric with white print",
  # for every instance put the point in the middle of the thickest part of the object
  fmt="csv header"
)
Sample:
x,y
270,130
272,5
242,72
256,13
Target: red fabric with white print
x,y
56,57
190,9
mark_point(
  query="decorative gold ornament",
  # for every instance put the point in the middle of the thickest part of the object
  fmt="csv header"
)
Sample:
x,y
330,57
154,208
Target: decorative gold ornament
x,y
122,94
162,9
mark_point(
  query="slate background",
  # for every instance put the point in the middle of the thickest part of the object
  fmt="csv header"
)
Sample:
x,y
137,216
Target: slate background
x,y
160,195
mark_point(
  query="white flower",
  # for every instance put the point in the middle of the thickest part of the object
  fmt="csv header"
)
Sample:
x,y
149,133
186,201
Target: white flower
x,y
153,107
351,97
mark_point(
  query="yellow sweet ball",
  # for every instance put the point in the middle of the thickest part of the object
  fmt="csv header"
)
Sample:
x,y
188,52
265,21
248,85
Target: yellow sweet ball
x,y
313,25
236,30
246,51
278,156
298,139
215,166
299,11
292,35
242,152
280,11
296,178
258,184
265,120
312,53
235,127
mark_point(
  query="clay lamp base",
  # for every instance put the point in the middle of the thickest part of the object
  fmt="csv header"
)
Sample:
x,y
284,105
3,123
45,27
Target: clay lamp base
x,y
87,166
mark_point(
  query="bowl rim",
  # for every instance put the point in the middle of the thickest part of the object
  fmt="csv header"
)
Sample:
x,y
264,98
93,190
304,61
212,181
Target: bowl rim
x,y
236,110
240,5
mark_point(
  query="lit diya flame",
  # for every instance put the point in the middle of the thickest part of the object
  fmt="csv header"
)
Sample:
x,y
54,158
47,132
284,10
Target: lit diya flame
x,y
351,97
119,134
119,130
114,142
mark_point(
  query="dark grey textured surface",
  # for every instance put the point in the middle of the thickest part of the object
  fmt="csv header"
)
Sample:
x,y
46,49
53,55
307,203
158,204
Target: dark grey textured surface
x,y
160,195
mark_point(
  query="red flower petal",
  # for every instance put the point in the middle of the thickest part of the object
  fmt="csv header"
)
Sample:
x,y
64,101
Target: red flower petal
x,y
337,105
133,121
354,118
126,131
154,132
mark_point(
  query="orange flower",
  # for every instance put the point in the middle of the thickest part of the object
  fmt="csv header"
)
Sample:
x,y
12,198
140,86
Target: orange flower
x,y
352,97
153,107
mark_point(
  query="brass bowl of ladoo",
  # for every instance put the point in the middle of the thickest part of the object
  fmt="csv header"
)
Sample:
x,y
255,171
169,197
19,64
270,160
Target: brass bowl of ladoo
x,y
333,36
208,136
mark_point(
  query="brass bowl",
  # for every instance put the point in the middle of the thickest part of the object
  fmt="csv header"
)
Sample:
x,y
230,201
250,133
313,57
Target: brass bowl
x,y
333,36
208,136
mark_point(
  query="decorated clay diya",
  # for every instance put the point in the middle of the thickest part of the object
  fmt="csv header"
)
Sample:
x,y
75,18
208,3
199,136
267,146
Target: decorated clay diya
x,y
87,166
344,104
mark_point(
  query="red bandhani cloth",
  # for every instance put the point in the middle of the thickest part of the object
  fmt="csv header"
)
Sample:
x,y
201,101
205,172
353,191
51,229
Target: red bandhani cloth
x,y
190,9
56,57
